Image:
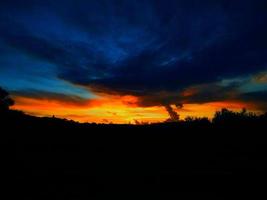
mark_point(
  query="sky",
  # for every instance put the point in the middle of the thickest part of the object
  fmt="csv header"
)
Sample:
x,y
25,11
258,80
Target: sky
x,y
122,61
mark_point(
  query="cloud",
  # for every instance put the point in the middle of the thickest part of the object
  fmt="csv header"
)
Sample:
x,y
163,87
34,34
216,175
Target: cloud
x,y
51,96
259,98
162,52
174,117
194,94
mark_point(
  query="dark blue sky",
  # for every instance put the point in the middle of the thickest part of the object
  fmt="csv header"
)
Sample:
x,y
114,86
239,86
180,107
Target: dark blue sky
x,y
145,48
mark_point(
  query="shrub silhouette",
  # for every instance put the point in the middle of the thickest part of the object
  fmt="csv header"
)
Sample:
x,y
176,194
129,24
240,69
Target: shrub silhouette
x,y
5,100
203,121
226,116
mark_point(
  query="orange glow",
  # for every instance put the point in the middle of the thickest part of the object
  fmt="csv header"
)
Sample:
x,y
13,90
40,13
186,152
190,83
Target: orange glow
x,y
208,109
103,110
189,92
117,109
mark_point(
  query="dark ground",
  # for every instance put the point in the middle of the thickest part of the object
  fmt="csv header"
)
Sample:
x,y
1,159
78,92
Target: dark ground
x,y
51,158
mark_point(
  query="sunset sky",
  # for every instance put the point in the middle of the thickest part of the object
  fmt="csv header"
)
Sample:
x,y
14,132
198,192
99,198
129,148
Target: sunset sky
x,y
126,61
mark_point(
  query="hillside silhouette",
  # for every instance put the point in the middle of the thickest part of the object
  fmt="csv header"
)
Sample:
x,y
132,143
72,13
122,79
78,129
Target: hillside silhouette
x,y
193,158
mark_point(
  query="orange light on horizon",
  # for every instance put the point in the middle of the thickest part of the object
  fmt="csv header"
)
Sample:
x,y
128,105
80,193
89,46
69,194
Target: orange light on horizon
x,y
103,110
117,109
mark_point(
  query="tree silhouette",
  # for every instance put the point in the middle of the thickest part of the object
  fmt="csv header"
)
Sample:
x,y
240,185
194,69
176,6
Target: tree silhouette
x,y
5,100
228,116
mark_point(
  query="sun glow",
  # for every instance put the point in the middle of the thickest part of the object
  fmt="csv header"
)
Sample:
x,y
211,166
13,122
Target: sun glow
x,y
117,109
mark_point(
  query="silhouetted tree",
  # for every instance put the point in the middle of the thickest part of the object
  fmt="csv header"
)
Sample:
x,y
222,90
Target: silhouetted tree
x,y
227,116
5,100
203,121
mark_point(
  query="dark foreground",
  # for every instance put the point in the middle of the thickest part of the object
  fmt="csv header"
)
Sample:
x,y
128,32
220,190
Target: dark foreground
x,y
51,158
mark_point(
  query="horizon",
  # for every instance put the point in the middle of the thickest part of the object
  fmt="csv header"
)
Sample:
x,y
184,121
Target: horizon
x,y
140,122
120,61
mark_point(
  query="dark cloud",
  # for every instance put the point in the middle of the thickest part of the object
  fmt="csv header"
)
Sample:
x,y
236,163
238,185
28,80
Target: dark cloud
x,y
62,98
174,117
195,94
259,98
151,49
